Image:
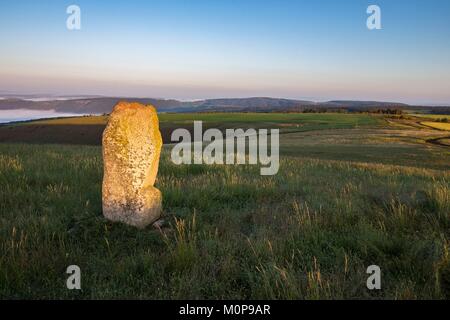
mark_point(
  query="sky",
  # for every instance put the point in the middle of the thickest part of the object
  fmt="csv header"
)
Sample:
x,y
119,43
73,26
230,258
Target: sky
x,y
193,49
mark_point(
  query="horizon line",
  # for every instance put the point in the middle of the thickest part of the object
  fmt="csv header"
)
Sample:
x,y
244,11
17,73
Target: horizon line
x,y
36,97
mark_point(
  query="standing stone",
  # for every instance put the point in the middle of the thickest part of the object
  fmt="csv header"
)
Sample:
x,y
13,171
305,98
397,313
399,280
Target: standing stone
x,y
131,149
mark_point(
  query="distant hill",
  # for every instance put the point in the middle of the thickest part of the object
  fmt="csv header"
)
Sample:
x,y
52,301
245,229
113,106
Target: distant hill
x,y
251,104
364,104
104,105
100,105
88,105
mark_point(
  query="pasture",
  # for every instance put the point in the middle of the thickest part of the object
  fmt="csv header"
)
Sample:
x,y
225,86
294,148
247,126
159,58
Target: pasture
x,y
352,191
437,125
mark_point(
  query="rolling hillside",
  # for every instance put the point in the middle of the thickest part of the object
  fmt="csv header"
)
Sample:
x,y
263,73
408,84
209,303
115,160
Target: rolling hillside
x,y
100,105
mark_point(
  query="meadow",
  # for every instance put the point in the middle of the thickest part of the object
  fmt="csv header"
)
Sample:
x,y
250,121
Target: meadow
x,y
437,125
352,191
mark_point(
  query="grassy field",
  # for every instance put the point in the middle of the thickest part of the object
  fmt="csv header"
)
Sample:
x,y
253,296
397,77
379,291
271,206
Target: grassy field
x,y
88,130
329,119
437,125
431,116
350,193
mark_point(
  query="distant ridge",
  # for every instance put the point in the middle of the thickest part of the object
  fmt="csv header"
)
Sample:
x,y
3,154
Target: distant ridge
x,y
83,105
251,104
365,104
100,105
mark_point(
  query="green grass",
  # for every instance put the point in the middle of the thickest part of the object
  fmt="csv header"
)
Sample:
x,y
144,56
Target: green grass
x,y
431,116
296,121
349,119
227,117
437,125
309,232
377,146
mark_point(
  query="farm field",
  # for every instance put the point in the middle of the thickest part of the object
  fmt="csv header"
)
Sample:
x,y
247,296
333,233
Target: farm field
x,y
88,130
353,190
176,118
431,116
437,125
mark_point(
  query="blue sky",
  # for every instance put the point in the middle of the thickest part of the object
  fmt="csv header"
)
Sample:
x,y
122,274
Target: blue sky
x,y
196,49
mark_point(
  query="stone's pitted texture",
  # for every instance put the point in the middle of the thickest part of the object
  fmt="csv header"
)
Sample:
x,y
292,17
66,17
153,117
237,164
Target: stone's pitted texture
x,y
131,149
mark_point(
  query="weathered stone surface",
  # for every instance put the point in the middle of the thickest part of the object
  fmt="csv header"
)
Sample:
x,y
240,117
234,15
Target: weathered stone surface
x,y
131,149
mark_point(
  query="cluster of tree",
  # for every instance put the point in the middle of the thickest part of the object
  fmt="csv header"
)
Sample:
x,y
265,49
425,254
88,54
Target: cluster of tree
x,y
387,111
439,110
324,110
288,110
